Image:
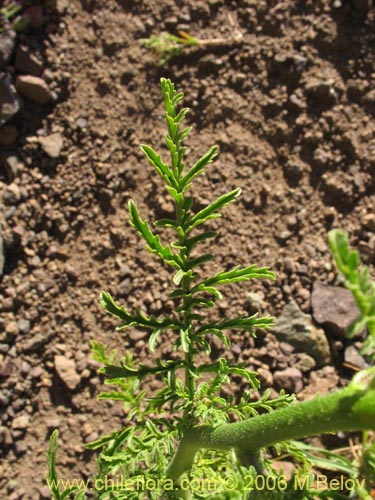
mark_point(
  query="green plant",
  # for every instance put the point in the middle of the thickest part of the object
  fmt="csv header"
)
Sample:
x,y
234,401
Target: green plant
x,y
11,16
167,46
186,440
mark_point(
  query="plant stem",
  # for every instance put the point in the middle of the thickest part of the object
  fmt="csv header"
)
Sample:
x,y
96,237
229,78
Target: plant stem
x,y
345,410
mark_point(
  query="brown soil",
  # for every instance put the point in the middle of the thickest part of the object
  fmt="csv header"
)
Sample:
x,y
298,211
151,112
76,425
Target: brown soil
x,y
291,107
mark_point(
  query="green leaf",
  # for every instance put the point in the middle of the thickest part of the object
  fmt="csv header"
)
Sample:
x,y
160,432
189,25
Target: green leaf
x,y
137,319
198,167
153,241
115,373
210,212
152,341
198,261
247,324
161,168
176,195
234,275
185,340
166,223
190,243
105,440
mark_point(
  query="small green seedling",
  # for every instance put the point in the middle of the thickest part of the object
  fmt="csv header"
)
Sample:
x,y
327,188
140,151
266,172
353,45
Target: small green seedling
x,y
167,46
10,17
188,438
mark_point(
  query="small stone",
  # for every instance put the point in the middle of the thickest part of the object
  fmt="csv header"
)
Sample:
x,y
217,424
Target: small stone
x,y
53,423
265,377
66,370
12,194
5,436
256,300
10,165
52,144
333,307
296,328
354,359
45,492
9,99
136,335
289,379
35,343
11,330
20,448
27,62
33,88
305,363
24,325
21,423
7,45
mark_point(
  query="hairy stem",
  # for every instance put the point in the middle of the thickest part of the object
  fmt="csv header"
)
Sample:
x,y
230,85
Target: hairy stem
x,y
352,408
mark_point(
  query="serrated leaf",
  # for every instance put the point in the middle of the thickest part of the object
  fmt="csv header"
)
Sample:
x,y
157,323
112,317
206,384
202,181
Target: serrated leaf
x,y
152,341
247,324
190,243
235,275
161,168
153,241
199,167
210,212
198,261
137,319
176,195
185,340
166,223
356,327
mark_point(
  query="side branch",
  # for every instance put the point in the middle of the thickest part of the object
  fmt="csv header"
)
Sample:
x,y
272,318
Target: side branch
x,y
349,409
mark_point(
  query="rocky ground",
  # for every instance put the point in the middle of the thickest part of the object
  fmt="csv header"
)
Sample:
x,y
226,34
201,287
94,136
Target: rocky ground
x,y
290,100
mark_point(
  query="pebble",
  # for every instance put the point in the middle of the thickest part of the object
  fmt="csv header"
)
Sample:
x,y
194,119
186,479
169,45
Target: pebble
x,y
33,88
354,358
136,335
66,370
333,307
5,436
52,144
21,423
9,99
35,343
7,45
296,328
289,379
24,326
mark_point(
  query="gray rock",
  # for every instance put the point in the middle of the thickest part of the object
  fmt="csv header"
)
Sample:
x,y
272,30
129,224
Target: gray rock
x,y
289,379
333,307
9,99
354,359
305,363
7,46
24,325
33,88
66,370
52,144
296,328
